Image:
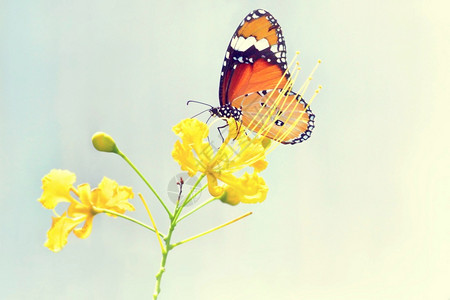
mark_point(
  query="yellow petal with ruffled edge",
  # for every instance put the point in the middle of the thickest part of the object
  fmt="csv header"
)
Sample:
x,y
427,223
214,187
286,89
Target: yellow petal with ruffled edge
x,y
56,186
191,131
111,196
185,157
59,231
249,188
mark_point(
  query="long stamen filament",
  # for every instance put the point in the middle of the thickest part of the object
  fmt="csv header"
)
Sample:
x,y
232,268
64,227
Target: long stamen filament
x,y
258,117
211,230
152,220
268,120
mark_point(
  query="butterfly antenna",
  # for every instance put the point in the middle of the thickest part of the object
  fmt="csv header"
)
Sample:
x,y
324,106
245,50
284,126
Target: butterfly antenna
x,y
198,102
200,114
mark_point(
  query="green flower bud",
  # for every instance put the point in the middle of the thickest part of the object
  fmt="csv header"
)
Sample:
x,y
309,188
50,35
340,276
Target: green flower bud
x,y
105,143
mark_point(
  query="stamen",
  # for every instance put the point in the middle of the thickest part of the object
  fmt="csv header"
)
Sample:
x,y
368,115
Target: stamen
x,y
285,93
75,192
258,115
152,220
267,120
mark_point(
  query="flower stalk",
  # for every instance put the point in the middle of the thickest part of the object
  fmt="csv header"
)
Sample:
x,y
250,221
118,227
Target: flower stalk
x,y
162,268
107,211
194,154
121,154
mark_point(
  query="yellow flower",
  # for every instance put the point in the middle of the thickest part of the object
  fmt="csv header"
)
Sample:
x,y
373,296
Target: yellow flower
x,y
237,152
57,186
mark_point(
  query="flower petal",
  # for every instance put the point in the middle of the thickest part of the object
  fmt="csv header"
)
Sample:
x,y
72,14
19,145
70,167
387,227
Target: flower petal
x,y
191,131
85,194
56,186
86,230
249,188
213,187
185,158
111,196
59,231
259,165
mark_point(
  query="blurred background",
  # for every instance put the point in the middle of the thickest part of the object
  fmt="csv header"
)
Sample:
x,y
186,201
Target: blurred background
x,y
359,211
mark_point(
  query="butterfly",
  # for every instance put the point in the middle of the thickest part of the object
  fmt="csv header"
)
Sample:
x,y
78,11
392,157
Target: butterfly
x,y
253,76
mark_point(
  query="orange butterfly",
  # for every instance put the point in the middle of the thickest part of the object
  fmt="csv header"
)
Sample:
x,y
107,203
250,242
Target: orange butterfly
x,y
254,83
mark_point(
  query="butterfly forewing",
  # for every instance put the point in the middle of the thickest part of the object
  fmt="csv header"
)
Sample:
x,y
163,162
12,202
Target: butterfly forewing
x,y
255,59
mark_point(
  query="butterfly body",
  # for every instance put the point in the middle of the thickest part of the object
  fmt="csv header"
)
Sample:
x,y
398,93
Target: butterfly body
x,y
253,76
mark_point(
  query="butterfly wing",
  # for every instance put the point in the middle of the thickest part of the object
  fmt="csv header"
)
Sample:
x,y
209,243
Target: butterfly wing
x,y
285,118
255,59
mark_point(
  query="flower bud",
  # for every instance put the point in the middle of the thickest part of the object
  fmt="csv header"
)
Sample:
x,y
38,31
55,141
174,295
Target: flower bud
x,y
104,142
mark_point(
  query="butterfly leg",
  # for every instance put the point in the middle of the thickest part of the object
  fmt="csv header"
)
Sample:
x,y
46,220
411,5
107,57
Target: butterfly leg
x,y
220,132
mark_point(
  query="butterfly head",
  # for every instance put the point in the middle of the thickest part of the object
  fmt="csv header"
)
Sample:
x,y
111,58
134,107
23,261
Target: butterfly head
x,y
226,111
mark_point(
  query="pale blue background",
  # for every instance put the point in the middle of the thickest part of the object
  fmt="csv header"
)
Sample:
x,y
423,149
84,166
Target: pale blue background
x,y
360,211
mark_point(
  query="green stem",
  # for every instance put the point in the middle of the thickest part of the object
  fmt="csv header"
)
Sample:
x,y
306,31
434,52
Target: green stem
x,y
162,268
193,189
195,195
145,180
111,212
197,208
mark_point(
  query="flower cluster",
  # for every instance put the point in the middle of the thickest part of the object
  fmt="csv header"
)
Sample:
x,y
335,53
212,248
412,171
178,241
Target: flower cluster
x,y
58,187
237,152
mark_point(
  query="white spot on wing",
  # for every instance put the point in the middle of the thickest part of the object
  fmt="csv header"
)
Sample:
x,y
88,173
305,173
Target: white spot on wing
x,y
233,42
261,11
244,43
261,44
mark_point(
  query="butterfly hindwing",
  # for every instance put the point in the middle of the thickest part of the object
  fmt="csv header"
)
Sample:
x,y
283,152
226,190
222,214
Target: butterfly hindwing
x,y
283,117
255,59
